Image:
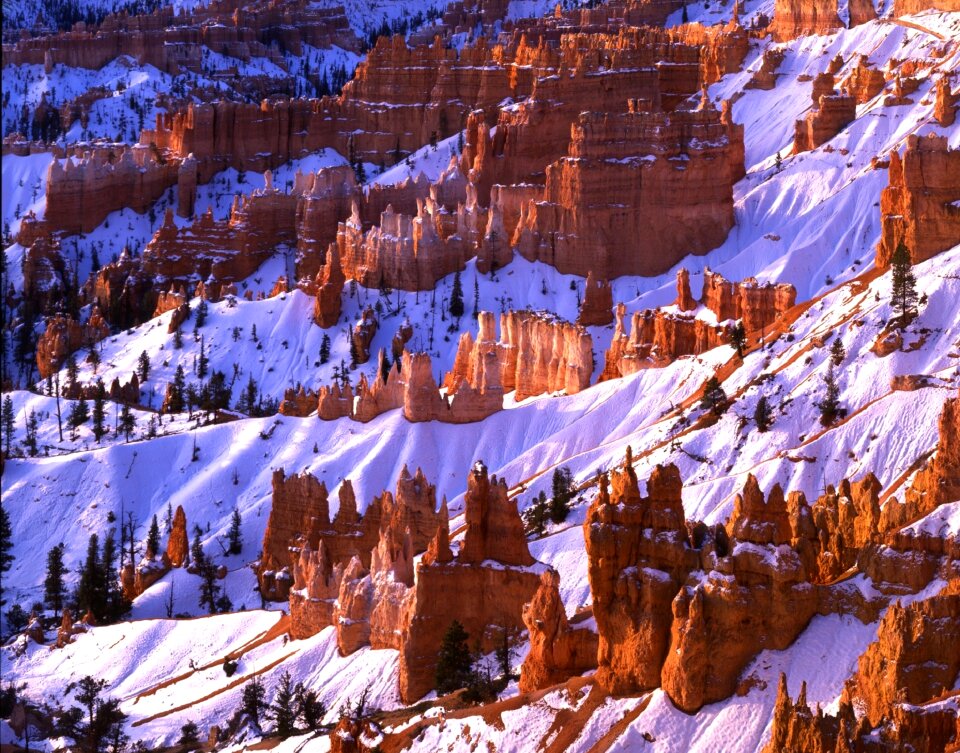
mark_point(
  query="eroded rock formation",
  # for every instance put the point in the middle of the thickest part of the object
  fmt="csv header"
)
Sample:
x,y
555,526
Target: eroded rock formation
x,y
918,207
831,113
796,18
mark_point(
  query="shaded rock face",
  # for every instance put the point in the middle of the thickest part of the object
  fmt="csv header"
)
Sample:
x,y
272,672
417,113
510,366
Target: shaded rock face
x,y
557,650
597,306
945,106
864,82
63,336
797,18
917,208
670,174
846,520
831,113
363,334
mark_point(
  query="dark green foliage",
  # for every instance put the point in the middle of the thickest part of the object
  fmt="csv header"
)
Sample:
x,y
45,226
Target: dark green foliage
x,y
282,709
6,544
325,348
454,662
829,406
738,337
234,534
176,402
310,709
79,414
143,366
7,420
189,734
201,313
837,352
17,618
97,723
153,538
456,298
761,414
714,398
563,490
535,517
904,285
128,422
253,700
54,589
99,411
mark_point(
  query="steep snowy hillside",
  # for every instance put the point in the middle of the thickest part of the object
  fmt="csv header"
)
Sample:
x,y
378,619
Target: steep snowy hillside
x,y
744,605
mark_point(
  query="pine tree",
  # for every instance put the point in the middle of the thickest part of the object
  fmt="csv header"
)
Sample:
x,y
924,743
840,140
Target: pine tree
x,y
153,538
282,709
837,352
32,426
563,490
761,415
97,725
309,708
738,337
99,411
202,361
6,544
79,414
714,398
143,365
253,700
456,298
201,313
384,366
325,348
454,662
904,285
128,421
535,516
54,589
354,354
177,338
90,589
93,356
175,403
189,734
476,297
234,534
830,404
7,419
72,373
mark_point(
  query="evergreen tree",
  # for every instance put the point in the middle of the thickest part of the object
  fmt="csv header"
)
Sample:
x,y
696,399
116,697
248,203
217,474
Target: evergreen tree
x,y
837,352
189,734
830,404
761,415
99,411
201,313
253,700
7,419
714,398
6,544
32,426
563,491
114,605
456,298
143,366
476,297
384,366
282,709
79,414
153,538
309,708
90,588
128,421
177,339
234,534
176,402
202,361
93,356
97,724
454,662
54,589
325,348
535,517
738,337
904,285
72,373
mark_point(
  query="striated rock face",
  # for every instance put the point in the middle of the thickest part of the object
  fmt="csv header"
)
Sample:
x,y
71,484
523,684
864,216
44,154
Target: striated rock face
x,y
638,556
906,7
797,18
178,545
316,585
766,76
846,520
917,207
557,651
861,11
667,179
363,334
326,198
63,336
597,306
831,113
757,305
864,82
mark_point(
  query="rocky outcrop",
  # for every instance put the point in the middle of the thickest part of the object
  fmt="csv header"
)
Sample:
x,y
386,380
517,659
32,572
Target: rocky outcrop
x,y
316,584
363,334
831,113
797,18
861,12
597,306
325,198
557,650
670,174
178,545
864,82
918,207
945,105
846,519
658,337
63,336
765,77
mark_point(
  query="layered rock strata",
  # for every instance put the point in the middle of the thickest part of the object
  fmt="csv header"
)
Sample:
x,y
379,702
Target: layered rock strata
x,y
831,113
